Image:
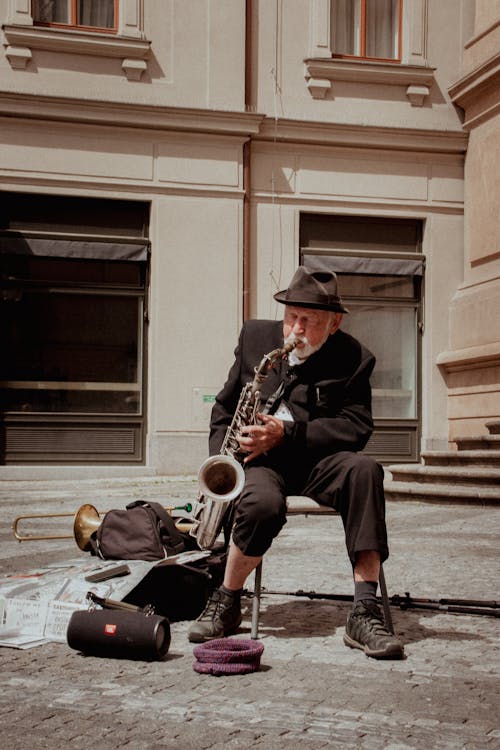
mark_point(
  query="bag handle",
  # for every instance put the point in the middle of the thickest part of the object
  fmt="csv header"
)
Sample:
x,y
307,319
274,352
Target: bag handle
x,y
177,543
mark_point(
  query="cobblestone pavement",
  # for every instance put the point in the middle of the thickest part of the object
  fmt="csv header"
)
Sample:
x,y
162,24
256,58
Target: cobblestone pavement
x,y
311,692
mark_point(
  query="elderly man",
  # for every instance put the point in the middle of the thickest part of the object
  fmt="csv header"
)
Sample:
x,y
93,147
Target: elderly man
x,y
317,416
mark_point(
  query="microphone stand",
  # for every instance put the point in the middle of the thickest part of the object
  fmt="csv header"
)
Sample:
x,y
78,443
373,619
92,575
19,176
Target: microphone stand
x,y
489,608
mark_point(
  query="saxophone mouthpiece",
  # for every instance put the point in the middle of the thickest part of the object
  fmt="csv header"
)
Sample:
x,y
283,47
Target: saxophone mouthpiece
x,y
290,345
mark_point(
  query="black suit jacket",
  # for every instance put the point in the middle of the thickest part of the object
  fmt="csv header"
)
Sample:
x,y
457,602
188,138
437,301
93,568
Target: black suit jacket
x,y
329,395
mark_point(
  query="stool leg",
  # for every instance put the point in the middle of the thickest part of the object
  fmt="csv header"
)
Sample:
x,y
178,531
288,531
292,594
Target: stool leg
x,y
256,602
385,601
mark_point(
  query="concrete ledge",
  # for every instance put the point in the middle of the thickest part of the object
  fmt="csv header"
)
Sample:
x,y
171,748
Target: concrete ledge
x,y
27,473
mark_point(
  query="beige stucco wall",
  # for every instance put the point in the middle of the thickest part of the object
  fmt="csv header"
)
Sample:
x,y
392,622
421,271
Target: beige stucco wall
x,y
196,58
195,317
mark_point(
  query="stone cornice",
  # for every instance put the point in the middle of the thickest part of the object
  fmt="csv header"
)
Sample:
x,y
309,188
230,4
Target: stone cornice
x,y
126,114
369,72
473,84
243,124
362,136
471,357
77,42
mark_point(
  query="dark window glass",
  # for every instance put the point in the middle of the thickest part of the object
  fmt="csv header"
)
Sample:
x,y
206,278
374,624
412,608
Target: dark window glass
x,y
71,352
89,216
99,14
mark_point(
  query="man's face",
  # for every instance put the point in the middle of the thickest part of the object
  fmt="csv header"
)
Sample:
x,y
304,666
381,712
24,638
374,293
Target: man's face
x,y
311,326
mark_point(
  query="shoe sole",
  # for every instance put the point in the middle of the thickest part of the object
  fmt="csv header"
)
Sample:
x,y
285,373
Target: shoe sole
x,y
392,652
205,639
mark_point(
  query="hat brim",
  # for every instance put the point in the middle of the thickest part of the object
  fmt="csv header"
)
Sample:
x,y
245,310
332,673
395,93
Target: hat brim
x,y
285,299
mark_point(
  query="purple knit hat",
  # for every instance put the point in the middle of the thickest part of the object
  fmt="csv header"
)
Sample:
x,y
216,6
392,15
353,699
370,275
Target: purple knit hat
x,y
228,656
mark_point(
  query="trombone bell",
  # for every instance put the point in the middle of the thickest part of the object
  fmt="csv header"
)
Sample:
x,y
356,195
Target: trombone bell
x,y
87,520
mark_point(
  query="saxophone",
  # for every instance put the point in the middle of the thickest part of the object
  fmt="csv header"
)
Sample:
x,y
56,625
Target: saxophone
x,y
221,478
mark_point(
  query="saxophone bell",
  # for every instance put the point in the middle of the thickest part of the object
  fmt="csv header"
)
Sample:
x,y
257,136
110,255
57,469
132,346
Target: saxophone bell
x,y
220,481
221,477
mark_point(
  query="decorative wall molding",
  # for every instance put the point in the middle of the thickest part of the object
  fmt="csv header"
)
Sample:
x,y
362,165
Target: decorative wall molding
x,y
126,114
320,73
478,91
134,69
362,136
19,12
78,43
18,57
417,94
484,355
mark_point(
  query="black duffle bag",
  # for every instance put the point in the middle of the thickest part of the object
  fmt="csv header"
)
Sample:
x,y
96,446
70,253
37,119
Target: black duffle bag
x,y
141,531
179,591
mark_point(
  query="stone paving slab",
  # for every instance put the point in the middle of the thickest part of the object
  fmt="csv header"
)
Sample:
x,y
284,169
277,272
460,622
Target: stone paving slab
x,y
311,692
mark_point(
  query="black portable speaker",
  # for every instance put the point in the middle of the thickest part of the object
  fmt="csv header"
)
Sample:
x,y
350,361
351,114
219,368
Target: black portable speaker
x,y
118,634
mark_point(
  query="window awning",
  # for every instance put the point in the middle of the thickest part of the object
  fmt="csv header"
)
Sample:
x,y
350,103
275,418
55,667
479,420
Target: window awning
x,y
365,265
91,249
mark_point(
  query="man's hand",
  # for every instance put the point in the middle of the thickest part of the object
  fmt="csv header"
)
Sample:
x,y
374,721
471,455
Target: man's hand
x,y
259,438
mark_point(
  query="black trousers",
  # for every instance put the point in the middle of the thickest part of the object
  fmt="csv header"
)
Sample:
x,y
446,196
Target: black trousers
x,y
351,483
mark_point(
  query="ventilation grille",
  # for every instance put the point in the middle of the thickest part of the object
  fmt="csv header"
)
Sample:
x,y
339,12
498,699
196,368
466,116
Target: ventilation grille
x,y
64,443
392,445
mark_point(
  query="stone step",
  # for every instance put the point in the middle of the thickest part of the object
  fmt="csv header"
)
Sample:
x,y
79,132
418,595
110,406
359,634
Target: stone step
x,y
493,427
441,493
482,458
461,475
481,442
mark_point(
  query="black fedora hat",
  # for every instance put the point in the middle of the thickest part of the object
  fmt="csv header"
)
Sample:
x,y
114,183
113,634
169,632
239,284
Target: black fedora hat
x,y
314,289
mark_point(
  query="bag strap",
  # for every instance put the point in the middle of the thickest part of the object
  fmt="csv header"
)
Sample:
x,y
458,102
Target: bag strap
x,y
93,546
176,542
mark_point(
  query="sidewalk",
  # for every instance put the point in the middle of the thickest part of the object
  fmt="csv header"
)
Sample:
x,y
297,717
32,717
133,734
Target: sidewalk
x,y
311,692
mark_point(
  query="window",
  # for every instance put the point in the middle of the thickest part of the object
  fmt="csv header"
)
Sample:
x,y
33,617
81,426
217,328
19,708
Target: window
x,y
73,316
368,29
380,268
97,15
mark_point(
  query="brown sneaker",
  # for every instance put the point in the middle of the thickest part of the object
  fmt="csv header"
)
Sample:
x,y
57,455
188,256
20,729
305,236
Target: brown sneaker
x,y
366,630
221,617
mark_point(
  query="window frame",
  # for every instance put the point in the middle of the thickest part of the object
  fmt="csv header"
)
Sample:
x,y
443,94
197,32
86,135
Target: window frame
x,y
362,38
73,20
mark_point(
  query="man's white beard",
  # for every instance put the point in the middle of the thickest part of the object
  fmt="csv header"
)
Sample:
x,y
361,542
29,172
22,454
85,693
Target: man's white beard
x,y
299,356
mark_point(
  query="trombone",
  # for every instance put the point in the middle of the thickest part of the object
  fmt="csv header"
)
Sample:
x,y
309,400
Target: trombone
x,y
87,519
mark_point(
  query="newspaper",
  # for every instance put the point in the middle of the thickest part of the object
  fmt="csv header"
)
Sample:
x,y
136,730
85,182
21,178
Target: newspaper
x,y
35,607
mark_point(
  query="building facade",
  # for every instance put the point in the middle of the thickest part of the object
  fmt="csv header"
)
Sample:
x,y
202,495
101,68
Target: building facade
x,y
165,166
471,363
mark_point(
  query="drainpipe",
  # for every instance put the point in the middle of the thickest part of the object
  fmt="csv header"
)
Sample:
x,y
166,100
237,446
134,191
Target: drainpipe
x,y
246,164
